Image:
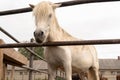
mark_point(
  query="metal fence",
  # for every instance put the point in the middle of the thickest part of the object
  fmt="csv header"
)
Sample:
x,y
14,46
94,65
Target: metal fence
x,y
63,43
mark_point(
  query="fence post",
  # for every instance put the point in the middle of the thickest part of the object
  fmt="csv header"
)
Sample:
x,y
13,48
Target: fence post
x,y
12,73
1,62
4,71
31,62
1,65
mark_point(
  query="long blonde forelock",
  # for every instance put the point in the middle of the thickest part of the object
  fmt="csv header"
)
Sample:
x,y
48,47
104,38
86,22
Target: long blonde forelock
x,y
42,8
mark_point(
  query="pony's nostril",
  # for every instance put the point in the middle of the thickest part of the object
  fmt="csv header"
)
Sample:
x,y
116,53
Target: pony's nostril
x,y
38,33
41,33
34,33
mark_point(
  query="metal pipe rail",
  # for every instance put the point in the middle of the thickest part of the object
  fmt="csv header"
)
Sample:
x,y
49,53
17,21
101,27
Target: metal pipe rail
x,y
62,43
35,70
28,68
64,4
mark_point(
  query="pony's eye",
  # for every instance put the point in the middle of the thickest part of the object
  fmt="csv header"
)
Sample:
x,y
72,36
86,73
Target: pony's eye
x,y
50,15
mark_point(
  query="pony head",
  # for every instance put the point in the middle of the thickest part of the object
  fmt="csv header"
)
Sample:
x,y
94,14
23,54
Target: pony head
x,y
44,16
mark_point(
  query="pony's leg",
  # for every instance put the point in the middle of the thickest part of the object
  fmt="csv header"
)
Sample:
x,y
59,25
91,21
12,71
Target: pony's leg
x,y
76,76
96,72
93,74
82,76
68,70
52,72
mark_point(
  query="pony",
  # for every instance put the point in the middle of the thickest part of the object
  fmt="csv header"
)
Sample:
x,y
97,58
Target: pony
x,y
73,59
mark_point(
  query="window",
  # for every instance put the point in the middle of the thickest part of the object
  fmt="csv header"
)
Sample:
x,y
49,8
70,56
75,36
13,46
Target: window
x,y
118,73
25,73
8,73
113,73
21,73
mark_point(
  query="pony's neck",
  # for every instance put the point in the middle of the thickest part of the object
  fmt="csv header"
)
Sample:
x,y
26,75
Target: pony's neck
x,y
57,33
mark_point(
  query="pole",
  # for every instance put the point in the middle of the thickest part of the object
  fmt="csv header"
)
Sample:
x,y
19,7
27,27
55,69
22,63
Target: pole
x,y
64,4
31,62
1,62
62,43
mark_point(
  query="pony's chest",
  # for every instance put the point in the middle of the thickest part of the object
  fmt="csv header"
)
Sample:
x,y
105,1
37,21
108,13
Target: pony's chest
x,y
56,55
81,58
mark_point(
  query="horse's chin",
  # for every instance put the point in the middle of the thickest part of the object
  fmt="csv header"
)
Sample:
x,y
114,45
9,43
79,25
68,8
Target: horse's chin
x,y
40,41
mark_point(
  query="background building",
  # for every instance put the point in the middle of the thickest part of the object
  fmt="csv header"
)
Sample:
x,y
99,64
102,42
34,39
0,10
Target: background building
x,y
109,70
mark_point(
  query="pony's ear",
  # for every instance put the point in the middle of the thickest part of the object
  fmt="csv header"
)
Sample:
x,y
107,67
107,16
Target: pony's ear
x,y
32,6
56,5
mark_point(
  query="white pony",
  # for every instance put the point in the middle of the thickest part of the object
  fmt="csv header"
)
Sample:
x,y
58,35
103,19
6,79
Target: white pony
x,y
71,58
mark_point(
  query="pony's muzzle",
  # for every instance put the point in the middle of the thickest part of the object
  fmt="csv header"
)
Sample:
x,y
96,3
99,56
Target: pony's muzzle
x,y
39,36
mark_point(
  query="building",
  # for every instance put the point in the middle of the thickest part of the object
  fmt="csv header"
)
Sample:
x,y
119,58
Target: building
x,y
22,74
109,70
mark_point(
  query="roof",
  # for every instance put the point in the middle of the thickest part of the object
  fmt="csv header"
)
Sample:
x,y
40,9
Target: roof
x,y
104,64
109,63
11,56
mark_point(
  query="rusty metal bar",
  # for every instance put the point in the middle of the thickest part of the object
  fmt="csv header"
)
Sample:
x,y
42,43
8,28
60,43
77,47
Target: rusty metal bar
x,y
28,68
62,43
64,4
9,35
77,2
15,11
33,69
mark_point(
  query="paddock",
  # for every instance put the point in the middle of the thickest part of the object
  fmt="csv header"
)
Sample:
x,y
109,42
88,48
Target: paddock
x,y
12,58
